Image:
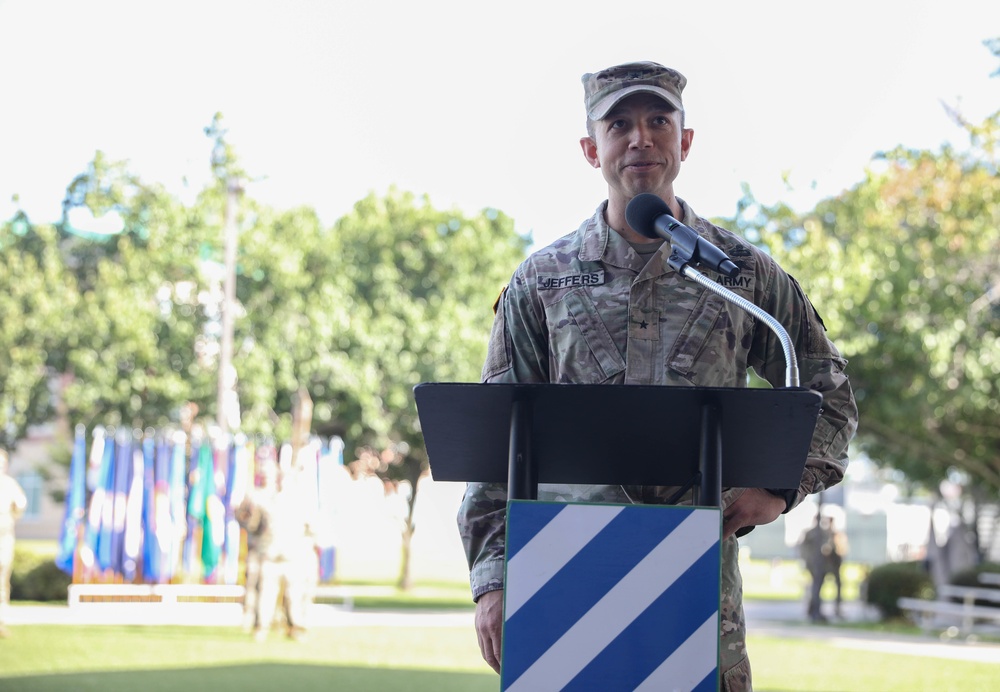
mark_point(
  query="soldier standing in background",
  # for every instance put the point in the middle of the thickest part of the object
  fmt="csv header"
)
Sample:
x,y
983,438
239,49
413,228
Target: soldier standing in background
x,y
817,549
252,516
285,562
836,561
13,502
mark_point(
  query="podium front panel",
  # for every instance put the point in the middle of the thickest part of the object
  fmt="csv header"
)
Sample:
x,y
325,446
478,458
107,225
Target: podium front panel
x,y
602,597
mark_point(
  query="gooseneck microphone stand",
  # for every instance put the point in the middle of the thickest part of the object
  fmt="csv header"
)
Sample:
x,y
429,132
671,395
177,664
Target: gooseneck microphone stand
x,y
682,265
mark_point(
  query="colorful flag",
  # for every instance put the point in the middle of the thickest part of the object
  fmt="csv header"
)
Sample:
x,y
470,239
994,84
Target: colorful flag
x,y
176,492
329,467
195,506
213,526
94,463
237,482
132,535
160,532
101,460
150,550
106,508
76,498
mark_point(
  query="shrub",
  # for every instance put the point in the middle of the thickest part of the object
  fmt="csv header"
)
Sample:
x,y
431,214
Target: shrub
x,y
35,577
889,582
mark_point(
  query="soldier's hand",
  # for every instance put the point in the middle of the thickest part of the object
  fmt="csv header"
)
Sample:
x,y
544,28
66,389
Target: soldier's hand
x,y
489,626
754,507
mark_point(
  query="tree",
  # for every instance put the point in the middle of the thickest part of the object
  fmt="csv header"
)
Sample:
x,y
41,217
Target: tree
x,y
396,293
420,284
905,269
37,300
132,357
352,317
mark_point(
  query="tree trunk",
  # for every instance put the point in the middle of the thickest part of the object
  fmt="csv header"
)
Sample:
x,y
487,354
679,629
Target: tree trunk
x,y
405,578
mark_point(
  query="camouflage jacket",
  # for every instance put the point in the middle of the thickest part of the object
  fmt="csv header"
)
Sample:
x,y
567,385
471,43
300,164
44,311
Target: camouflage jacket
x,y
588,309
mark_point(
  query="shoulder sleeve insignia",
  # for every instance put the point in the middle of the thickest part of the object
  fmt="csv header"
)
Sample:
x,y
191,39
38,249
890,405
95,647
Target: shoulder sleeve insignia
x,y
496,303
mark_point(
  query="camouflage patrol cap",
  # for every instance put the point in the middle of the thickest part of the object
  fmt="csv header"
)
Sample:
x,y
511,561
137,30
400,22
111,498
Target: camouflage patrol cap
x,y
604,89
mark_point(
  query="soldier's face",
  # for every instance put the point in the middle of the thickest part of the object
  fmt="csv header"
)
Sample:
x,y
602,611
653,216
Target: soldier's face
x,y
639,147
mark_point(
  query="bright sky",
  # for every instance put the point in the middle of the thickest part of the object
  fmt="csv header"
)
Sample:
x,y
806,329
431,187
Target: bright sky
x,y
475,104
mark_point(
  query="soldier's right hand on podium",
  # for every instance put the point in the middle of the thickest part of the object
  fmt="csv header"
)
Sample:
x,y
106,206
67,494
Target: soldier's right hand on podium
x,y
489,626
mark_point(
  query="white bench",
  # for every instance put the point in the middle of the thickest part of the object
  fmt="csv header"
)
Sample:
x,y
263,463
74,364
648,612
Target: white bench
x,y
171,594
945,611
990,578
167,594
346,592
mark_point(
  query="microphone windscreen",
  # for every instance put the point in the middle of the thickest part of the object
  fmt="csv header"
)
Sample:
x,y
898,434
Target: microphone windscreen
x,y
642,212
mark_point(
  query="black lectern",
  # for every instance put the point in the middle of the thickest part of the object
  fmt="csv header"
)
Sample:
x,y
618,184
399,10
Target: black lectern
x,y
525,434
603,596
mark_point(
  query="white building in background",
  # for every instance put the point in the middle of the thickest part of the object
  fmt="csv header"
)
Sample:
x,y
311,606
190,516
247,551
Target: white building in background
x,y
43,517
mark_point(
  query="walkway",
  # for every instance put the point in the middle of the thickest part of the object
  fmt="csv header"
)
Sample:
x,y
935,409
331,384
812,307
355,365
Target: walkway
x,y
787,619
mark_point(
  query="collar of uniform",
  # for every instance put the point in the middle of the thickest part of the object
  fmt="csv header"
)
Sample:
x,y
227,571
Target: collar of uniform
x,y
688,217
595,236
597,232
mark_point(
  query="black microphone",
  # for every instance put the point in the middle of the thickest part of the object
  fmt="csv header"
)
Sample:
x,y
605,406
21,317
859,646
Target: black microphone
x,y
649,215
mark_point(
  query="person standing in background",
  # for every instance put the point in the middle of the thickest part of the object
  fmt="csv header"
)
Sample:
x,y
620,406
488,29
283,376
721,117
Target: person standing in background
x,y
816,550
838,550
284,564
13,502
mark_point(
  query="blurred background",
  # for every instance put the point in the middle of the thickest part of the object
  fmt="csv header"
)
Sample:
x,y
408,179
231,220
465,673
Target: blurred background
x,y
261,223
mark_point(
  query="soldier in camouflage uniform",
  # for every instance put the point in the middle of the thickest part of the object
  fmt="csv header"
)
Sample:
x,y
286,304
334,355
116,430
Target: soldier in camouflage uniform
x,y
285,546
601,306
252,517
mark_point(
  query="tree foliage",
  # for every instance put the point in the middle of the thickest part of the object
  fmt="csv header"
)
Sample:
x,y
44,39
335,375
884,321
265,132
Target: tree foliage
x,y
36,301
421,283
130,356
123,327
905,269
424,282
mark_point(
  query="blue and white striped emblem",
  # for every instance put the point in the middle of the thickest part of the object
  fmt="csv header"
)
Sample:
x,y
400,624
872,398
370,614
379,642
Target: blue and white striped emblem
x,y
611,597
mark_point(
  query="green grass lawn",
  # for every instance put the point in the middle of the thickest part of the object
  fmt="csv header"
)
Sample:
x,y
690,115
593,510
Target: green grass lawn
x,y
376,659
424,596
789,665
422,659
784,580
110,658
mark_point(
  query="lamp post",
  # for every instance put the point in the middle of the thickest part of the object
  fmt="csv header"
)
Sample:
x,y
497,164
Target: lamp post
x,y
226,400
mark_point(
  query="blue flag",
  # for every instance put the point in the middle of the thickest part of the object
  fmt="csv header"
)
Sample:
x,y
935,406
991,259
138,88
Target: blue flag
x,y
329,468
76,498
160,526
176,489
195,509
237,480
123,477
104,499
132,536
150,551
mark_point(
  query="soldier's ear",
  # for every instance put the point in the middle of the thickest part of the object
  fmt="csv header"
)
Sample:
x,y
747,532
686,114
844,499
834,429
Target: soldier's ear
x,y
589,147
